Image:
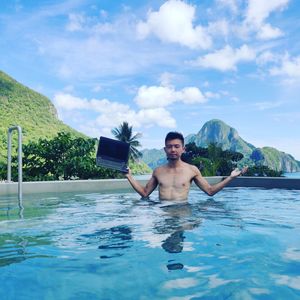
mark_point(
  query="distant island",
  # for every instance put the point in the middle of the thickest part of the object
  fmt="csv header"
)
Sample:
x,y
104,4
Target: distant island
x,y
218,132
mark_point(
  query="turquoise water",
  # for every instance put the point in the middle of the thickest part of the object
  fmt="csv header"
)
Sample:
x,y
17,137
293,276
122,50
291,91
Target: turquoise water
x,y
242,244
292,175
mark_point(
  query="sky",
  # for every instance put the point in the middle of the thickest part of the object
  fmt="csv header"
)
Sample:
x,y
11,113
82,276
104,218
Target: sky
x,y
161,65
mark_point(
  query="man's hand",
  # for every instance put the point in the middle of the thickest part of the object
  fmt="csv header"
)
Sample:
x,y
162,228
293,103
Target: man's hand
x,y
128,173
237,172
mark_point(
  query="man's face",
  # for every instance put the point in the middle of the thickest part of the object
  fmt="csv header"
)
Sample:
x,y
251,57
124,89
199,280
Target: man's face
x,y
174,149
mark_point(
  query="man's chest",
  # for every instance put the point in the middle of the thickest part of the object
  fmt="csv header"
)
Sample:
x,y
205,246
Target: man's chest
x,y
175,180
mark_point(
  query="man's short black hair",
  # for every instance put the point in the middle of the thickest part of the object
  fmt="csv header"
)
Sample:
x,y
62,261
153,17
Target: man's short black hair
x,y
172,135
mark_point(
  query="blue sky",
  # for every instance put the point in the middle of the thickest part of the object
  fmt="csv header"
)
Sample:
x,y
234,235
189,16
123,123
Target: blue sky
x,y
161,65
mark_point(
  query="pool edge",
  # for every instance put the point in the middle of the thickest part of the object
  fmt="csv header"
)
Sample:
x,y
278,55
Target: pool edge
x,y
105,185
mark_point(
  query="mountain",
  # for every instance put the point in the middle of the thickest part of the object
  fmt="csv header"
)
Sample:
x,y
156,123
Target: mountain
x,y
278,160
218,132
154,157
35,113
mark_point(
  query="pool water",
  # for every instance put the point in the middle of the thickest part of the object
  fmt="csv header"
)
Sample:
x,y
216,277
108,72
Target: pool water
x,y
242,244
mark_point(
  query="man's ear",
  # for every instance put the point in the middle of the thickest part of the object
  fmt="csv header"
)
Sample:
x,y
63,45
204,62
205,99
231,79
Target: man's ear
x,y
183,149
165,149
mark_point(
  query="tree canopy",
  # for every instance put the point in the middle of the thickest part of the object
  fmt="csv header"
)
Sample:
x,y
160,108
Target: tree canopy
x,y
213,161
61,158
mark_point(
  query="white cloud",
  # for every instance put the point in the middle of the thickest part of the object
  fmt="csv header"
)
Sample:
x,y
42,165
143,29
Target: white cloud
x,y
173,22
162,96
159,116
92,55
68,102
256,14
226,59
152,101
144,117
212,95
106,106
220,27
155,96
110,119
290,67
76,22
266,57
259,10
109,114
231,4
166,78
268,32
190,95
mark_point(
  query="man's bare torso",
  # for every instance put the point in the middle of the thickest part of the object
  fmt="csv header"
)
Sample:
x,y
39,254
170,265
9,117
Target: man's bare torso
x,y
174,182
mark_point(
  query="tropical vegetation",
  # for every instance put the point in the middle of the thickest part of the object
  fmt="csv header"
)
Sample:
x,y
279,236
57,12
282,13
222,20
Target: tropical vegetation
x,y
213,161
124,133
63,158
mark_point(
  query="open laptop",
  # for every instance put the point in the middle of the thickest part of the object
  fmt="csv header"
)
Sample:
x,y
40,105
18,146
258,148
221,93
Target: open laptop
x,y
112,154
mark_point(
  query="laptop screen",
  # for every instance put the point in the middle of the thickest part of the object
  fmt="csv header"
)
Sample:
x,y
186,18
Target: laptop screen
x,y
114,149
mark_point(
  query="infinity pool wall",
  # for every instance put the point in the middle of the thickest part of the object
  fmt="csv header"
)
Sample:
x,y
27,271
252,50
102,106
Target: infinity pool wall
x,y
105,185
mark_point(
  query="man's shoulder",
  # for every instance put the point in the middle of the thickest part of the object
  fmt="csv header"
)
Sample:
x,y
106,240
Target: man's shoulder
x,y
159,169
192,169
187,165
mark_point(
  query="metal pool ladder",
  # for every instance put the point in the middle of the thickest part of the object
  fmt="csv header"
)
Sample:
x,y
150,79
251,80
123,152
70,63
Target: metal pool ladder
x,y
20,174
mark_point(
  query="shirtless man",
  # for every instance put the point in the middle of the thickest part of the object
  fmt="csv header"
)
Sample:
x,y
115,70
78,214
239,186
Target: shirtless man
x,y
174,179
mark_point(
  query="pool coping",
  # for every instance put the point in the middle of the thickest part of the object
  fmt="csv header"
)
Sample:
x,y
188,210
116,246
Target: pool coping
x,y
105,185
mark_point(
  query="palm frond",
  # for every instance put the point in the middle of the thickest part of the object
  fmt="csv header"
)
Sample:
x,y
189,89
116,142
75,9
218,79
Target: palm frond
x,y
124,133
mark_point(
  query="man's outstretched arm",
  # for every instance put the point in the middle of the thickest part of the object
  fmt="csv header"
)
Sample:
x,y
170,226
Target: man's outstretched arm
x,y
144,191
211,190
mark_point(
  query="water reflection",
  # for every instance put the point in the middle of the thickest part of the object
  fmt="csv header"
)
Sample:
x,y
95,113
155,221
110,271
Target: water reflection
x,y
15,249
177,219
112,240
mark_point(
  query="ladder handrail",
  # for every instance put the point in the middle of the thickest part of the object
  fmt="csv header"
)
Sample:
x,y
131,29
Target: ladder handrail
x,y
20,174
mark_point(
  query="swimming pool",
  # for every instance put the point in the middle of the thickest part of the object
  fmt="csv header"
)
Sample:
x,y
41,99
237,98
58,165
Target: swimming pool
x,y
242,244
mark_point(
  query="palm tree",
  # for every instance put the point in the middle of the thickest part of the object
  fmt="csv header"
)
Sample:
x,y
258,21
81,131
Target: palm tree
x,y
124,133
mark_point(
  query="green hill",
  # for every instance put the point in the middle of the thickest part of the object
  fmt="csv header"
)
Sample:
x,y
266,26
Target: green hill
x,y
35,113
278,160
